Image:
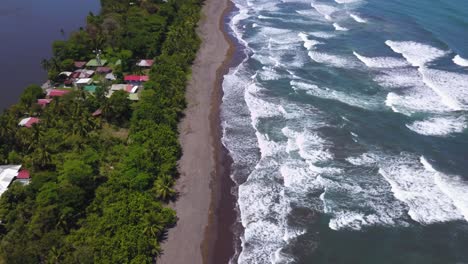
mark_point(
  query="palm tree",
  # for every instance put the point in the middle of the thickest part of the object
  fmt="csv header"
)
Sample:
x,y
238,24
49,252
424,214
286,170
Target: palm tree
x,y
163,187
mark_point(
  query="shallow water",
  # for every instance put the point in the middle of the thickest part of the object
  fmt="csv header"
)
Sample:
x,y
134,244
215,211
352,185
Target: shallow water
x,y
347,124
27,30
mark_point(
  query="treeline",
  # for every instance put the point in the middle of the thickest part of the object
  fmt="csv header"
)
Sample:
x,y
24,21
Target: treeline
x,y
99,185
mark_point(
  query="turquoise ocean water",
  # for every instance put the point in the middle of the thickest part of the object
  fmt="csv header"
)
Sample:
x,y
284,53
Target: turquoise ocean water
x,y
347,124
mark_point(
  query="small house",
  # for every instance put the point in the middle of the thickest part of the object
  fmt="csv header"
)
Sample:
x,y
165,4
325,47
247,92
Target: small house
x,y
43,102
136,78
7,175
96,63
23,177
79,64
82,73
110,76
83,82
145,63
103,70
57,92
91,88
119,87
28,122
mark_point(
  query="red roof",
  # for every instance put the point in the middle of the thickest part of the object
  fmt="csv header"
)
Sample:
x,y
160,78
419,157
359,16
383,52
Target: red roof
x,y
128,88
103,69
31,121
58,93
80,64
23,174
43,102
136,78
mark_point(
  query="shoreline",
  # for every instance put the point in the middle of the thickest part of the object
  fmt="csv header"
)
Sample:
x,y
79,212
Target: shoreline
x,y
194,237
220,242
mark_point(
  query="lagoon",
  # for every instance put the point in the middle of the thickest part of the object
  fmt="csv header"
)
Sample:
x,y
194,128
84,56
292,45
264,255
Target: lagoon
x,y
27,30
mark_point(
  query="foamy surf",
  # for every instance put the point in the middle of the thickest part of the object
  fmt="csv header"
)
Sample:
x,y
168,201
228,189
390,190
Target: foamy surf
x,y
417,54
357,18
439,126
460,61
308,43
339,28
453,186
415,185
381,62
325,10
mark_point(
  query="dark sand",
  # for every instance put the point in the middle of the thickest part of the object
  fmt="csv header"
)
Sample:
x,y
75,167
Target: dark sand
x,y
198,234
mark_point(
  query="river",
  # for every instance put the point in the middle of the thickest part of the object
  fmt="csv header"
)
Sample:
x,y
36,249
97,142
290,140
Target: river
x,y
27,30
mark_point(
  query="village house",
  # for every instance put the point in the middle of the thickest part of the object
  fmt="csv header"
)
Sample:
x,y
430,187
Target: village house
x,y
129,88
145,63
57,92
28,122
136,79
80,83
8,173
91,88
96,63
103,70
110,76
43,102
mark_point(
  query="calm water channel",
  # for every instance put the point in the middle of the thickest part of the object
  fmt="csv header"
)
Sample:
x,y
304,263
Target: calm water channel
x,y
27,30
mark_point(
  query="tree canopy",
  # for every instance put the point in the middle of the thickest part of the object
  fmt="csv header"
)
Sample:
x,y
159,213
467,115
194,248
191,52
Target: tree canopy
x,y
99,186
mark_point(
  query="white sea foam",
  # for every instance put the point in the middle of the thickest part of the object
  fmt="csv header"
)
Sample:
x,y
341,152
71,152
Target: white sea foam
x,y
358,18
400,78
339,28
347,1
450,86
439,126
360,101
416,187
413,95
269,73
354,201
322,34
417,54
308,43
366,159
325,10
258,107
453,186
332,60
460,61
381,62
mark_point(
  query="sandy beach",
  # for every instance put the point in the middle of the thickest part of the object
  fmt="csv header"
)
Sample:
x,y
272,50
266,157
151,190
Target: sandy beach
x,y
191,239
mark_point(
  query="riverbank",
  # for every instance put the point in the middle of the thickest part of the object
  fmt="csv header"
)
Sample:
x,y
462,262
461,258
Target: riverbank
x,y
201,146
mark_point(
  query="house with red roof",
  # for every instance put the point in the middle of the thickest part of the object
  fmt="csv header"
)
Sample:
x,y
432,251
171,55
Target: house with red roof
x,y
28,122
145,63
103,70
136,78
43,102
23,177
57,93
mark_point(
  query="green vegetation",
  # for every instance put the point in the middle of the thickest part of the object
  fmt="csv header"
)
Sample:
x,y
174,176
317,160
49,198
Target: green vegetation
x,y
99,184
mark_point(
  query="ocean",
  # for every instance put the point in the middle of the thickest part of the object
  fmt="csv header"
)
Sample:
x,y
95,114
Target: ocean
x,y
347,122
27,30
